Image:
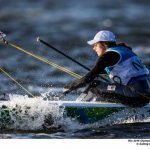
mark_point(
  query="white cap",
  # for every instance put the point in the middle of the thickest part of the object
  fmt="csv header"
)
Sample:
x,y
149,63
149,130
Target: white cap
x,y
103,35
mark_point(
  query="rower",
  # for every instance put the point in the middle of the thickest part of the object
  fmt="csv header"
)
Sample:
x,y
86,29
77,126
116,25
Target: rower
x,y
129,77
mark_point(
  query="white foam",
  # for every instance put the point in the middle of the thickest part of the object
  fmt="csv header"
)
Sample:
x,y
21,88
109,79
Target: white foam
x,y
31,112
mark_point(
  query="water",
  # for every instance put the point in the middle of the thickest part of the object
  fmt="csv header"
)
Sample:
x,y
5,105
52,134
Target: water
x,y
67,25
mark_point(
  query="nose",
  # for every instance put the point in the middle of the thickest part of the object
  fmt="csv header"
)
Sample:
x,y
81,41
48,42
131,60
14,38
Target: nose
x,y
94,47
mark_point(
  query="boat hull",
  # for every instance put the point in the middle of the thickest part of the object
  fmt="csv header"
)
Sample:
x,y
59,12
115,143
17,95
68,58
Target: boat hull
x,y
89,115
89,112
83,112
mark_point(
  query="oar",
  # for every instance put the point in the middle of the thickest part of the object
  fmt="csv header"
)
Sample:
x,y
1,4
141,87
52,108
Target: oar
x,y
67,56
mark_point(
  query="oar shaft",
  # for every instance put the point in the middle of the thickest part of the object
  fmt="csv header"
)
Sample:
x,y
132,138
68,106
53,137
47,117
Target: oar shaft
x,y
55,49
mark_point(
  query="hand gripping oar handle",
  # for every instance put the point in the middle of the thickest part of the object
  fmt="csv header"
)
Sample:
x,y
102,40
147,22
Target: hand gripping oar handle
x,y
55,49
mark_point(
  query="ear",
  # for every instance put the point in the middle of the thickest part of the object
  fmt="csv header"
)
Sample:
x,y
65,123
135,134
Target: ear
x,y
104,44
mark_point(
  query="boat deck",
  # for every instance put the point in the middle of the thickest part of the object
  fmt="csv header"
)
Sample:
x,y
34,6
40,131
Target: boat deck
x,y
89,104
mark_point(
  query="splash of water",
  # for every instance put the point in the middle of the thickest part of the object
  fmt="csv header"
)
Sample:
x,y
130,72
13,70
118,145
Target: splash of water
x,y
23,113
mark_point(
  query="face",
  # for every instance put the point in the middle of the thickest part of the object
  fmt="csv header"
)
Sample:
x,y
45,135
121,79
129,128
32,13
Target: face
x,y
99,48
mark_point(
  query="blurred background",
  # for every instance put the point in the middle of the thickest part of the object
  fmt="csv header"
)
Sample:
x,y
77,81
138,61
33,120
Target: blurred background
x,y
67,25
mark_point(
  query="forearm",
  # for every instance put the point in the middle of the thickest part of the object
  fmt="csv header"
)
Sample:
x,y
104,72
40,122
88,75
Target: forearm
x,y
96,70
106,60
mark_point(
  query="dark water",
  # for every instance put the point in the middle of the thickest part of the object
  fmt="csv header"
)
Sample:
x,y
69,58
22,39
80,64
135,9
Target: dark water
x,y
125,131
67,25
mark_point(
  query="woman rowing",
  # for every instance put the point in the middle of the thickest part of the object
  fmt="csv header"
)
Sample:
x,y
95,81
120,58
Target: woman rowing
x,y
130,81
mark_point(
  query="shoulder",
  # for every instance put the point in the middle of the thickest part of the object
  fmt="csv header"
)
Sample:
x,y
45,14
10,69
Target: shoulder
x,y
111,54
109,58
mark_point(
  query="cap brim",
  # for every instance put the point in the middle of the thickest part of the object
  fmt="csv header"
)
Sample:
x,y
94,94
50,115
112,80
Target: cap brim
x,y
92,42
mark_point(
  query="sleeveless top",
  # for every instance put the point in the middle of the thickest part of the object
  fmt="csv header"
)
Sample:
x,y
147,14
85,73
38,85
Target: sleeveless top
x,y
128,66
